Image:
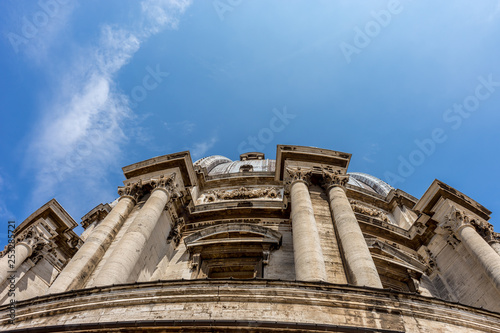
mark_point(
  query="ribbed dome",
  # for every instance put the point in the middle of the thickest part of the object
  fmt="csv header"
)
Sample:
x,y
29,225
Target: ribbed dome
x,y
365,180
211,162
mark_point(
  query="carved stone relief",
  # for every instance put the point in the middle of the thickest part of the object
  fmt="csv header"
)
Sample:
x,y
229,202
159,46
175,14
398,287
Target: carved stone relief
x,y
362,209
269,193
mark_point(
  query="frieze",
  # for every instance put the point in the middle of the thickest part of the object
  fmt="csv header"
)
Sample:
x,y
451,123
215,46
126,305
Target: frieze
x,y
362,209
271,193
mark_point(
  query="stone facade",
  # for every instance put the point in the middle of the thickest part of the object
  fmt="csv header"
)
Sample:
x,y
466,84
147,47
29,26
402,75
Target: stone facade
x,y
295,244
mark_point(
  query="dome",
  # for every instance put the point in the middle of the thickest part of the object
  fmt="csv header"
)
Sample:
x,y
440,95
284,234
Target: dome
x,y
221,165
238,166
211,162
365,180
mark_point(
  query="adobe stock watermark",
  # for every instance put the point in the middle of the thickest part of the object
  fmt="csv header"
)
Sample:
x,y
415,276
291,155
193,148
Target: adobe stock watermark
x,y
266,134
31,25
453,116
223,6
150,82
364,36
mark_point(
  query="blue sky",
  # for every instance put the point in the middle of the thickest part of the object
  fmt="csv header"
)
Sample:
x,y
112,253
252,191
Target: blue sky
x,y
410,88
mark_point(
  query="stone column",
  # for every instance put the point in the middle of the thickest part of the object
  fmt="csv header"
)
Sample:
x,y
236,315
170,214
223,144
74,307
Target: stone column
x,y
125,256
359,261
22,251
308,257
83,263
461,225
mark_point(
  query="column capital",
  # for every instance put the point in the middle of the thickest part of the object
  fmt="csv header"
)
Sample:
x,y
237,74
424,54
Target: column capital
x,y
131,190
36,242
166,184
456,220
297,174
334,178
494,239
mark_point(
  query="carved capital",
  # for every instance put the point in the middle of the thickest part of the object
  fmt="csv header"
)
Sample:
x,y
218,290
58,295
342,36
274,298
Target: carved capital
x,y
296,174
494,238
33,237
456,220
334,178
166,183
131,190
484,229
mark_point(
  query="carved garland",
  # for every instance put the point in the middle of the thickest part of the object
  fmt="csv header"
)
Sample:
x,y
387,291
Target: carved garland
x,y
243,193
361,209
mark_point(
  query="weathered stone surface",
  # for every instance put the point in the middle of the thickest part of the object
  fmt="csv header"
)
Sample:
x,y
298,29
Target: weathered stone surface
x,y
259,246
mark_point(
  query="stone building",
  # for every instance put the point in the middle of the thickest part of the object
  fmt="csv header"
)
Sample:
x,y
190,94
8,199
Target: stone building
x,y
295,244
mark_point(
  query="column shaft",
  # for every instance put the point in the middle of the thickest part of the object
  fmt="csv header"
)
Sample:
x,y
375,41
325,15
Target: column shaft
x,y
483,252
22,251
83,263
125,256
359,261
309,262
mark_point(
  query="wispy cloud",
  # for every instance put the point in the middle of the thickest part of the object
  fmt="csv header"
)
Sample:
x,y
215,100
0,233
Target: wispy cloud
x,y
81,134
201,148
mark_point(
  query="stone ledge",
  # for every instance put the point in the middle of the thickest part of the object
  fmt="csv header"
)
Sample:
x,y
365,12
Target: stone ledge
x,y
246,300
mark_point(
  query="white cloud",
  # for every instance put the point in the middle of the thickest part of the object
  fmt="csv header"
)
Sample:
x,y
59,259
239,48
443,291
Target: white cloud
x,y
200,149
162,13
81,134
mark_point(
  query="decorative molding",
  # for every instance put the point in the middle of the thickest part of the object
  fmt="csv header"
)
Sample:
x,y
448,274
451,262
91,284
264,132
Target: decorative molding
x,y
175,234
362,209
426,257
243,193
334,178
